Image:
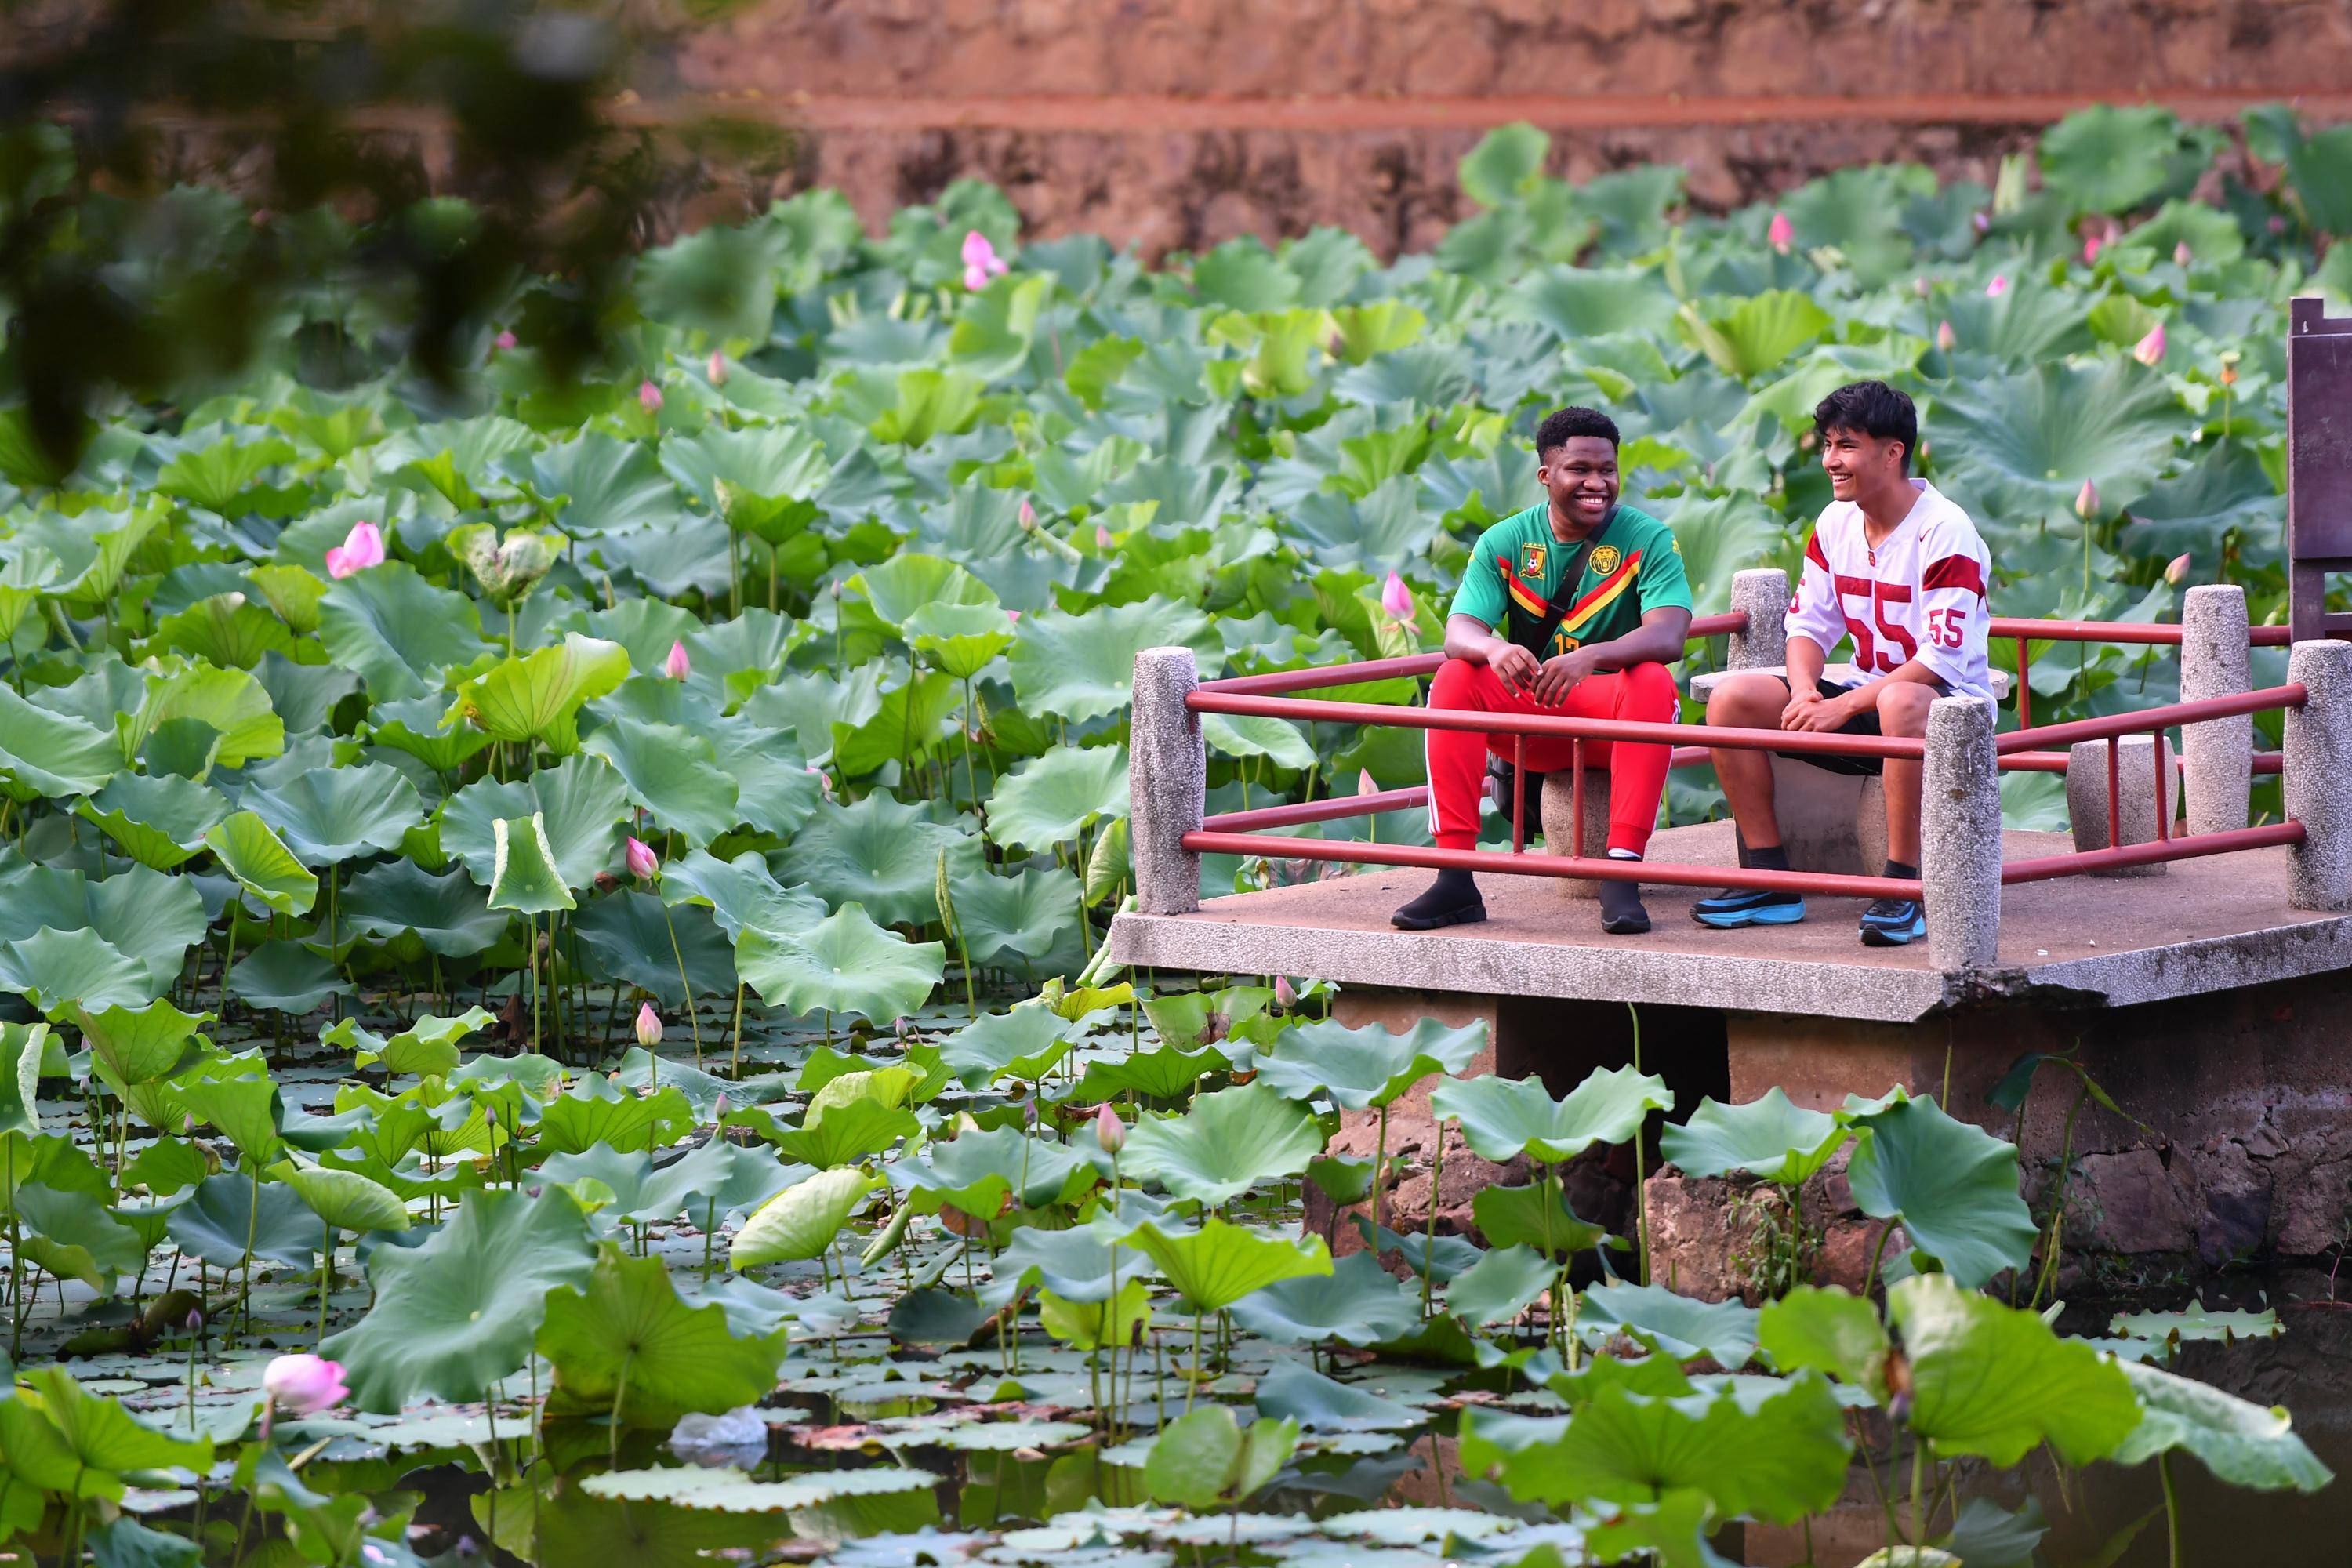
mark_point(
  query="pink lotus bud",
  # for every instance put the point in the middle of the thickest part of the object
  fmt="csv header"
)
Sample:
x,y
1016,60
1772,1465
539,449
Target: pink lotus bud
x,y
824,781
642,860
1997,287
2182,254
2092,244
504,340
1013,615
716,369
678,667
1286,994
2177,568
1109,1131
719,1107
1364,785
305,1383
361,549
2149,350
1945,336
649,398
1028,513
1980,222
1103,540
1396,598
1922,287
980,254
975,278
1781,234
649,1029
2086,500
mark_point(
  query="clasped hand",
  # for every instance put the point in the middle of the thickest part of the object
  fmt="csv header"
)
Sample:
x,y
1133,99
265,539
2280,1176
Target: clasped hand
x,y
1810,711
1550,681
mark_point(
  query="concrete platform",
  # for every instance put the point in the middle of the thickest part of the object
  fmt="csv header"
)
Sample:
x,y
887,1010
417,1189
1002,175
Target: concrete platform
x,y
2208,925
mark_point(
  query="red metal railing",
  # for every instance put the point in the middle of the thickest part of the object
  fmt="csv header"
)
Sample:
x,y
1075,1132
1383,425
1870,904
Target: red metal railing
x,y
1267,695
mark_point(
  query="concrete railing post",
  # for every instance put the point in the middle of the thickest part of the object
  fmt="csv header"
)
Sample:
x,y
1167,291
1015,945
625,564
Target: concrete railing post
x,y
2218,754
2317,776
1960,835
1167,781
1762,594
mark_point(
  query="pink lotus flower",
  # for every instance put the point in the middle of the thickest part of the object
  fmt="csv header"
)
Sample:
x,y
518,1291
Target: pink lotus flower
x,y
2092,244
678,667
1396,598
1945,336
1364,785
504,340
305,1385
1286,994
1103,540
1997,287
1109,1131
361,549
1781,234
981,261
649,1029
2086,500
2177,568
642,860
823,780
649,398
2182,254
716,369
2149,350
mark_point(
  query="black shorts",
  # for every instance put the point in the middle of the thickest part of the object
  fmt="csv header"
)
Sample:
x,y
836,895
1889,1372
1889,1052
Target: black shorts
x,y
1860,725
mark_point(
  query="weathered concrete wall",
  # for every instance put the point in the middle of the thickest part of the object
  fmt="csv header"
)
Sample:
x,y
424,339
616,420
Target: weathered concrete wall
x,y
1183,122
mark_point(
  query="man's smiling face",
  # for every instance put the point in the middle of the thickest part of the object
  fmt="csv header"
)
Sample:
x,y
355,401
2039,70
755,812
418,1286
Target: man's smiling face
x,y
1580,477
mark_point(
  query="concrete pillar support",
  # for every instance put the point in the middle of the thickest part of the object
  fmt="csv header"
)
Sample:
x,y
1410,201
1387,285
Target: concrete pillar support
x,y
1168,781
2135,774
1960,835
1763,595
2218,754
2318,775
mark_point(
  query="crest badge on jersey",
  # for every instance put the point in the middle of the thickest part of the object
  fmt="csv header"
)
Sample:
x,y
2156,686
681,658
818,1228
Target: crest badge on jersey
x,y
1533,557
1605,560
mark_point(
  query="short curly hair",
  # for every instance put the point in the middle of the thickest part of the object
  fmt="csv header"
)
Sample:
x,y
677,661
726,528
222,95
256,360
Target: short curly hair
x,y
1871,408
1563,426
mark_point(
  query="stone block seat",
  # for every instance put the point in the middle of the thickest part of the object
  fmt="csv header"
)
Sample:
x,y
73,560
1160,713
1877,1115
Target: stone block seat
x,y
1829,821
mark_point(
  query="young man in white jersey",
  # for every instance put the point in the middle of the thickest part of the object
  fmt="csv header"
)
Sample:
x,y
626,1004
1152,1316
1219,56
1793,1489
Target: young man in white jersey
x,y
1898,568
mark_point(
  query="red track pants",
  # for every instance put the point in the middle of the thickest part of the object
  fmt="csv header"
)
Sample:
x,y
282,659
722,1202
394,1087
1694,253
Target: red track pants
x,y
1458,758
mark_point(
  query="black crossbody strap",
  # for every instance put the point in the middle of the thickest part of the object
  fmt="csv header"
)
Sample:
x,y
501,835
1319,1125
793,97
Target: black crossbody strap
x,y
1564,596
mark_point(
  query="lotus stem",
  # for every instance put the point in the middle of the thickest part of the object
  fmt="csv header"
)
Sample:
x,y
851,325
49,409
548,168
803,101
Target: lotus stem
x,y
620,1391
739,1026
2172,1510
1429,1236
692,1023
1192,1376
1380,1169
1918,1521
1641,1130
326,1279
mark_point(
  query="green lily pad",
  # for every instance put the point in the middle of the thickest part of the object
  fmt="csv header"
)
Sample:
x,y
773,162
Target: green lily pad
x,y
844,963
1357,1303
1228,1142
580,803
1054,799
1220,1264
673,774
159,821
1768,1137
622,1342
2244,1444
1953,1186
1994,1381
1502,1118
536,697
1372,1066
802,1221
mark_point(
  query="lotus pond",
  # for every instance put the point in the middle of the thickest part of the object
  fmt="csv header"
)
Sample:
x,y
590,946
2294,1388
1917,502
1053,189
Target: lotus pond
x,y
582,904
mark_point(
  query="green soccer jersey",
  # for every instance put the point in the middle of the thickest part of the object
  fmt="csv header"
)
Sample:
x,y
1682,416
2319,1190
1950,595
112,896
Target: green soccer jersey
x,y
1635,567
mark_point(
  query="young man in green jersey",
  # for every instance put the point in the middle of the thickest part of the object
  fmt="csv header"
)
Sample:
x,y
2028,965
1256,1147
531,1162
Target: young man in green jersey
x,y
1576,606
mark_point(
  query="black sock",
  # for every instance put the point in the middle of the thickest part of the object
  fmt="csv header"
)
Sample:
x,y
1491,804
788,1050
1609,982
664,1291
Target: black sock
x,y
1456,885
1775,858
1898,869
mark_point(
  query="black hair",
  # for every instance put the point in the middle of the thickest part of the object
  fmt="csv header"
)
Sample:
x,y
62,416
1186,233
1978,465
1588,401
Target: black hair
x,y
1564,425
1872,408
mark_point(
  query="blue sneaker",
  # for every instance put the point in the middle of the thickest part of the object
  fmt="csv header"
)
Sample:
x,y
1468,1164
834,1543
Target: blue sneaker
x,y
1892,922
1735,907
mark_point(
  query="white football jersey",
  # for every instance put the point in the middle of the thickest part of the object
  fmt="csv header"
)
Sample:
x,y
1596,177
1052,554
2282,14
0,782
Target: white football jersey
x,y
1919,594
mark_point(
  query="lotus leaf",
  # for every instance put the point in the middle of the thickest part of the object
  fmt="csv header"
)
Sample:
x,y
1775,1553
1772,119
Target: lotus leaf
x,y
230,701
801,1222
1220,1264
671,772
287,977
1080,667
1024,1044
1206,1458
1055,799
1723,1332
459,1313
627,935
225,1216
741,894
537,697
1499,1286
1994,1381
580,803
343,1200
49,753
1229,1141
1357,1303
983,1173
160,821
524,875
58,971
596,1110
1021,921
844,964
2241,1443
1369,1067
623,1344
1502,1118
1952,1186
1828,1331
330,816
261,863
1769,1137
444,914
